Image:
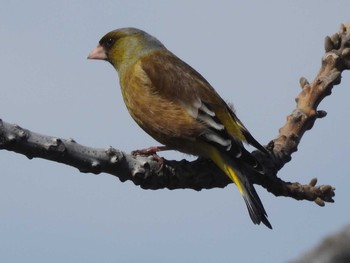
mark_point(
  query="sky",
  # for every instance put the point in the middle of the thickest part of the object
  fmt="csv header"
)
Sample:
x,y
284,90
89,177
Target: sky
x,y
252,52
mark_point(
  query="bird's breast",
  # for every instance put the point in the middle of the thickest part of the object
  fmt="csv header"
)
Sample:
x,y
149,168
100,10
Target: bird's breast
x,y
166,121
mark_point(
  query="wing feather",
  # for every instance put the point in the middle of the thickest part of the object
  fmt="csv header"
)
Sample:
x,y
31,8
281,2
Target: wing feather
x,y
176,81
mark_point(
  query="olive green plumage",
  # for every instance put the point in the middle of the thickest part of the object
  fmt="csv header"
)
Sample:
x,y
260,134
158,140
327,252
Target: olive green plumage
x,y
175,105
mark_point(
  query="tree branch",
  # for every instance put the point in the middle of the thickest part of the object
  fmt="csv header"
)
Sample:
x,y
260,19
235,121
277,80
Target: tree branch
x,y
148,172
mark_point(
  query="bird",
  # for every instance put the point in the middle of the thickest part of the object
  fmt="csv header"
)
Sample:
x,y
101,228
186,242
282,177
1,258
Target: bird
x,y
180,109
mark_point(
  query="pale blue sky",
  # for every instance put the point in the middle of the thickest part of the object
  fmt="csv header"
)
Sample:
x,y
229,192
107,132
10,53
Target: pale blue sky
x,y
252,52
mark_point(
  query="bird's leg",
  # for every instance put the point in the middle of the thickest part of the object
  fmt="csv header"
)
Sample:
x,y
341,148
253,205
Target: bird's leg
x,y
150,151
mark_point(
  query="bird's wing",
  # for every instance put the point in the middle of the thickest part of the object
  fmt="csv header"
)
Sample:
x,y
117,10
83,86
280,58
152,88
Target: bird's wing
x,y
176,81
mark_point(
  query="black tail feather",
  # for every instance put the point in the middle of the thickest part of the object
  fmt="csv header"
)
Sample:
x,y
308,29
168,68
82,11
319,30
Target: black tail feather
x,y
255,207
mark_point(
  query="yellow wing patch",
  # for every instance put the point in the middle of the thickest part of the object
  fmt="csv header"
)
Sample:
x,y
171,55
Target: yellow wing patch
x,y
232,126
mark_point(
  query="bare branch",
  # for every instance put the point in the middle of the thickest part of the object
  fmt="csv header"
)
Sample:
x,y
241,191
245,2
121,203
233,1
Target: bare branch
x,y
303,117
149,173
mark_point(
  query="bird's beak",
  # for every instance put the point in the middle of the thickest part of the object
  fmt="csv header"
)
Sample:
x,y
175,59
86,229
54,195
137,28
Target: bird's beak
x,y
98,53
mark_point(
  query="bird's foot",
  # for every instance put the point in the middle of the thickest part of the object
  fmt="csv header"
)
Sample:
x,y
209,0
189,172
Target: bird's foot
x,y
152,151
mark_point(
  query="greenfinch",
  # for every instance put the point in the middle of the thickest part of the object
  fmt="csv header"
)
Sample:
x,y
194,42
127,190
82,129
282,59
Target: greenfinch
x,y
174,104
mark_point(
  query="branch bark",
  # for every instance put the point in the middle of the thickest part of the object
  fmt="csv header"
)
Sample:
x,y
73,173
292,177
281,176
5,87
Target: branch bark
x,y
148,172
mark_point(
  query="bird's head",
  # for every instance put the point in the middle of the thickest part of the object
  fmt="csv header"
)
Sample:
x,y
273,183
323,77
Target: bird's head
x,y
124,46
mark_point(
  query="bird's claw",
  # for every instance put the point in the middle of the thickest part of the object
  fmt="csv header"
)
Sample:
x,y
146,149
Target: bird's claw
x,y
152,151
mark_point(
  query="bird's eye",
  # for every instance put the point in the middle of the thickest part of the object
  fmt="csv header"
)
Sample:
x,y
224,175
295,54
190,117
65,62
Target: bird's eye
x,y
109,42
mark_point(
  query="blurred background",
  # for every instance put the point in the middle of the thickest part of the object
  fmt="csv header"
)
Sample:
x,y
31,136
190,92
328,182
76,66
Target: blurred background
x,y
252,52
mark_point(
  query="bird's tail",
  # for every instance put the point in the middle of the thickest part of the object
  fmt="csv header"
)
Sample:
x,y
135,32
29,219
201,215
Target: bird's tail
x,y
255,207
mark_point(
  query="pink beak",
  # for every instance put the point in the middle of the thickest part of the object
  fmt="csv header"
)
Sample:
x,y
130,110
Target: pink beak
x,y
98,53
